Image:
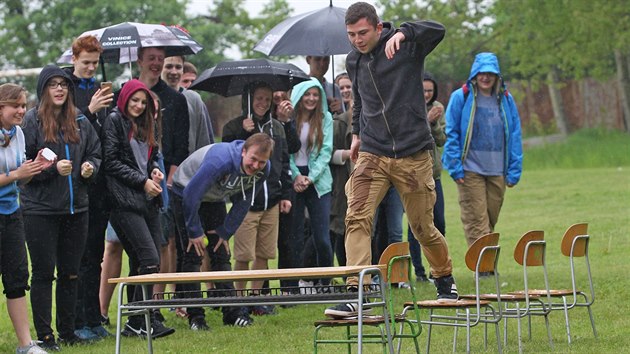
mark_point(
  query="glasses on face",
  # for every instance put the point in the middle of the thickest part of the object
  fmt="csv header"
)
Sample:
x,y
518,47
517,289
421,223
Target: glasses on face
x,y
55,84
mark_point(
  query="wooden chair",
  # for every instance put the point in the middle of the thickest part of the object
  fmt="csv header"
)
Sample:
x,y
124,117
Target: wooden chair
x,y
397,262
482,256
529,251
574,244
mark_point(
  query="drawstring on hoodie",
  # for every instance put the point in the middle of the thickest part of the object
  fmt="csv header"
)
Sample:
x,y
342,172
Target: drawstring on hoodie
x,y
253,190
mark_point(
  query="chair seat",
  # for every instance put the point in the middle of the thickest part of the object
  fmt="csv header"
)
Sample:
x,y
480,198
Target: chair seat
x,y
504,297
349,321
448,304
543,292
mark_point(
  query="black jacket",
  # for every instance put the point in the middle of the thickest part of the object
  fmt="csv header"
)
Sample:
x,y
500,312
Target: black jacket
x,y
389,111
48,192
125,180
175,123
278,185
83,96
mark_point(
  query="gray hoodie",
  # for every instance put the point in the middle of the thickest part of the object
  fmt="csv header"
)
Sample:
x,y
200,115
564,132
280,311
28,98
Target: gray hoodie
x,y
389,113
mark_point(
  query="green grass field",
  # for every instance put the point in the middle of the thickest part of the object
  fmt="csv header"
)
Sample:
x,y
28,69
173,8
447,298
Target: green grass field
x,y
585,179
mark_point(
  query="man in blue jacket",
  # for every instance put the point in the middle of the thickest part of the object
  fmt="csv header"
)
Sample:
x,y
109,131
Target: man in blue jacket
x,y
483,151
200,186
391,139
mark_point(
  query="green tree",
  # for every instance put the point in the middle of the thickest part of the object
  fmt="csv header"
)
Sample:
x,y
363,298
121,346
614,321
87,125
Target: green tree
x,y
556,41
245,31
36,33
468,31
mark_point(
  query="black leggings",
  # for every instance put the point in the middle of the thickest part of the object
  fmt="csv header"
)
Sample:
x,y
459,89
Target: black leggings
x,y
55,241
140,236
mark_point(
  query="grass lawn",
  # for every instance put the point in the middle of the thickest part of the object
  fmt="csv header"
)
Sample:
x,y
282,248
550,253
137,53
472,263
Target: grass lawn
x,y
547,198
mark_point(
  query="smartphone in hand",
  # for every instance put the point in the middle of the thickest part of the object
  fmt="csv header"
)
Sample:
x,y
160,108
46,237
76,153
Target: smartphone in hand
x,y
106,85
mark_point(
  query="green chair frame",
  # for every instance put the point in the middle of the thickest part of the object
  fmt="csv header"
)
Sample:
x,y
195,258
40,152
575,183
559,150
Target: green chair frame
x,y
397,263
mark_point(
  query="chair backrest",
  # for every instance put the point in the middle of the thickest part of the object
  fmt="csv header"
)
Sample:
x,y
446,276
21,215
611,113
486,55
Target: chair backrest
x,y
399,270
488,260
536,250
569,238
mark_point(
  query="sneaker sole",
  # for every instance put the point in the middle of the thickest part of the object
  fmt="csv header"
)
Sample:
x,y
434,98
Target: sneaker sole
x,y
342,314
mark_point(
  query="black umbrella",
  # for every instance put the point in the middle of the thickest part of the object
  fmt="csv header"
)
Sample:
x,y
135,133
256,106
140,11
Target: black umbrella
x,y
121,42
230,78
319,33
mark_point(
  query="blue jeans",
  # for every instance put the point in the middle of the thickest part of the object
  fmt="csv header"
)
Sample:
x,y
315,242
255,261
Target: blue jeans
x,y
319,213
440,224
389,212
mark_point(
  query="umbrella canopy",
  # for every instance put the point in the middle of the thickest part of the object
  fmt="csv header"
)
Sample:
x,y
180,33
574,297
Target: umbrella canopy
x,y
121,42
230,78
319,33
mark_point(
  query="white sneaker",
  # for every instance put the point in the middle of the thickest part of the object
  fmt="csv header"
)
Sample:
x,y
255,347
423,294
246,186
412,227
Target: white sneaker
x,y
32,348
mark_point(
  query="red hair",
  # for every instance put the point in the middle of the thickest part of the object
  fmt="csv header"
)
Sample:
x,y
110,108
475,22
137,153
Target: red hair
x,y
86,44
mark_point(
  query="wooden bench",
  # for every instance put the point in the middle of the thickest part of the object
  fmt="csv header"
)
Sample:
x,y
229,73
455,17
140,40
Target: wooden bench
x,y
334,294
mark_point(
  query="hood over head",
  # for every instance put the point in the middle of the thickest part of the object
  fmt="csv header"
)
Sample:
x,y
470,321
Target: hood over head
x,y
47,73
300,89
484,63
428,76
248,91
128,89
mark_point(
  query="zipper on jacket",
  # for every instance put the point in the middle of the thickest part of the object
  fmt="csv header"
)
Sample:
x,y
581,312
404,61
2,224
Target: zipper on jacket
x,y
471,120
70,182
383,103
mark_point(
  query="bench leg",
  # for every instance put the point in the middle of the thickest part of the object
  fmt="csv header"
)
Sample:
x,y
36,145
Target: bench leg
x,y
147,319
119,316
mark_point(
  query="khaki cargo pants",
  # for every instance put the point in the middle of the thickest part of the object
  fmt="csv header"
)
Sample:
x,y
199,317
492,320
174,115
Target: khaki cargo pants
x,y
413,178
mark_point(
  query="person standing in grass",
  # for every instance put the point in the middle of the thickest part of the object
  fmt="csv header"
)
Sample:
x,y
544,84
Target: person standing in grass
x,y
15,170
312,179
391,139
236,170
133,176
55,203
483,152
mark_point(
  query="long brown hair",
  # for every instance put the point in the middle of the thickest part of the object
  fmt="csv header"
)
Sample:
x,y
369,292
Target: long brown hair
x,y
157,116
144,126
314,118
9,95
64,122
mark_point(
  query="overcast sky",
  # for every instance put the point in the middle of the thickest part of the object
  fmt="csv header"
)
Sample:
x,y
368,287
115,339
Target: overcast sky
x,y
254,7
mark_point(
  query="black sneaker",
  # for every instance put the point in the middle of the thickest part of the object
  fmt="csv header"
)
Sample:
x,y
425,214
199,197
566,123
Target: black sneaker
x,y
345,310
199,324
422,279
105,321
238,319
158,330
446,288
49,343
158,315
73,340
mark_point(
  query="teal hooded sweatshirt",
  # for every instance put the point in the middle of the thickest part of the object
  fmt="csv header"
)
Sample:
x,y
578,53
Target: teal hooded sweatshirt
x,y
319,157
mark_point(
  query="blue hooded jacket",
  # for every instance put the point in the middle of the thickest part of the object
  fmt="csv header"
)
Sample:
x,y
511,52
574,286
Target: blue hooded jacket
x,y
460,115
212,174
318,159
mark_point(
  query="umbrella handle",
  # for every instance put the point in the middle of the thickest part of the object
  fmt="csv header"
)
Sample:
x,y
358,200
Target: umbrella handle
x,y
102,62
